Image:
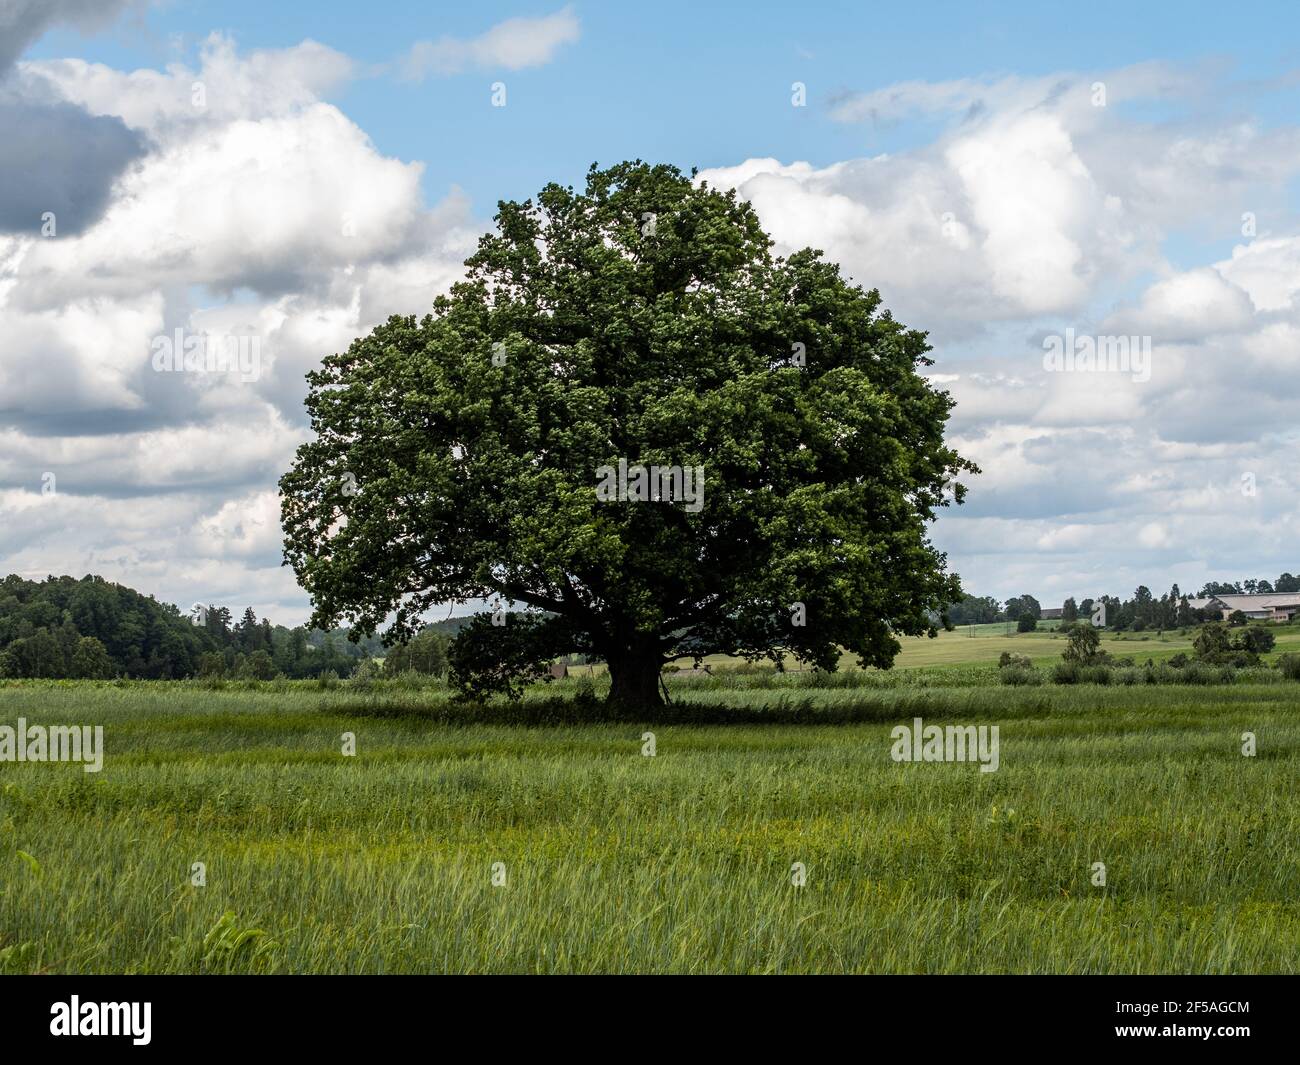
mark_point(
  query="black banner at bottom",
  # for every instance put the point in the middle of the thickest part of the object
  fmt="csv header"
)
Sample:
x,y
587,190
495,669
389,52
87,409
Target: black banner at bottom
x,y
335,1013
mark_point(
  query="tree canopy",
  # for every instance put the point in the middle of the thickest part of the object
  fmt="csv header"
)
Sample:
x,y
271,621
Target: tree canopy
x,y
642,322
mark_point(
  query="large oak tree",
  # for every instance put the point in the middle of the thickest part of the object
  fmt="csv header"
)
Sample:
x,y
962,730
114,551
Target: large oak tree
x,y
645,319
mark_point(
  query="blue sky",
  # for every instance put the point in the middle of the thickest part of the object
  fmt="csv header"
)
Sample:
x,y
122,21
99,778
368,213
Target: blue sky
x,y
953,155
697,84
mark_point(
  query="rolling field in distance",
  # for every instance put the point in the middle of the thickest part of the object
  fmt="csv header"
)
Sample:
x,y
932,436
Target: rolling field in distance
x,y
960,648
607,860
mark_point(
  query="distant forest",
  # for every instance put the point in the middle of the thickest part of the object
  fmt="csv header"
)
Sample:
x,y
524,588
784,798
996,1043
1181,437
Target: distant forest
x,y
1142,610
90,628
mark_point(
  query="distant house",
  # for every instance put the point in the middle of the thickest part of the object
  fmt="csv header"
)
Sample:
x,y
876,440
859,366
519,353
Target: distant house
x,y
1268,606
1052,613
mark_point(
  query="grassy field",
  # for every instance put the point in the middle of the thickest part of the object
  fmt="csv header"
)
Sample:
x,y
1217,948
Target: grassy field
x,y
681,862
960,647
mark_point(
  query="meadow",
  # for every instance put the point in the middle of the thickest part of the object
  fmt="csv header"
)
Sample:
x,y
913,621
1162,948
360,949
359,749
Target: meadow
x,y
984,643
541,838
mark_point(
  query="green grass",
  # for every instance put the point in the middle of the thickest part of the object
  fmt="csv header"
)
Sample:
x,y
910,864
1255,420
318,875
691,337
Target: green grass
x,y
970,645
960,648
616,862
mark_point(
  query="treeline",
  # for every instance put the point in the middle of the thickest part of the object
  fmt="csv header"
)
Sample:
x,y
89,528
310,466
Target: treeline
x,y
63,628
1142,610
1285,583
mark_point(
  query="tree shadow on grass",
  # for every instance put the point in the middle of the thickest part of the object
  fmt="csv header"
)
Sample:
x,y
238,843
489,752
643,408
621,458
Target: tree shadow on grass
x,y
559,710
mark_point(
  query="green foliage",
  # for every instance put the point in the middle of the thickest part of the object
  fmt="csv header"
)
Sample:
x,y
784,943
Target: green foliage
x,y
973,610
582,336
1200,672
1083,646
426,653
228,947
1257,640
90,660
367,671
488,659
1023,606
1019,675
1289,664
212,665
91,629
19,959
1026,623
1073,672
1213,645
259,665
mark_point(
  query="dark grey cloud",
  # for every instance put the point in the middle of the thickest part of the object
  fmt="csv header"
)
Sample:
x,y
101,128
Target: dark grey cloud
x,y
59,159
54,156
23,21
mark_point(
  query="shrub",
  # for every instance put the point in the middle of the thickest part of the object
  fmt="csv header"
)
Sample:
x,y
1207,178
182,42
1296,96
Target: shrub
x,y
1006,658
1290,666
1257,640
1258,675
1084,645
1178,661
1027,623
1212,644
1205,673
1074,673
1095,675
1019,675
1066,672
410,680
211,664
328,679
366,672
260,666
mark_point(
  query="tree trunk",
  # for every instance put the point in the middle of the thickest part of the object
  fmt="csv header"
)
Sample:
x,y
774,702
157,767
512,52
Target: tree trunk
x,y
634,677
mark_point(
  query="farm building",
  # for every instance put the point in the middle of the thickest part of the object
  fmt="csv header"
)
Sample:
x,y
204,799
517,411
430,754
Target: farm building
x,y
1052,613
1269,606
